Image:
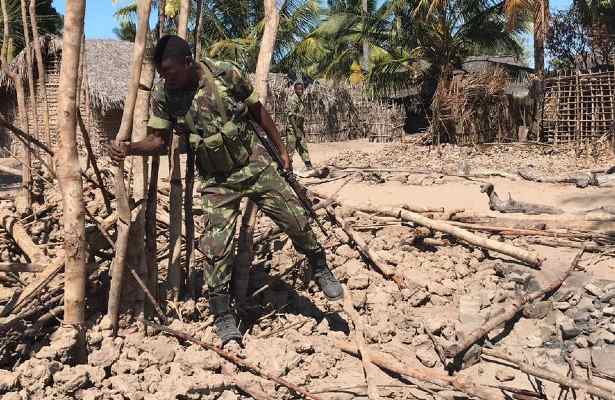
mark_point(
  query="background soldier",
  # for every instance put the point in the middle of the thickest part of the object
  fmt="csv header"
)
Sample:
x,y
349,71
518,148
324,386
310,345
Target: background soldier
x,y
295,134
211,102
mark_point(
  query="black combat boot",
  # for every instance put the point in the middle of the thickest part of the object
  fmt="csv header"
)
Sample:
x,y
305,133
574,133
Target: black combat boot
x,y
219,305
326,281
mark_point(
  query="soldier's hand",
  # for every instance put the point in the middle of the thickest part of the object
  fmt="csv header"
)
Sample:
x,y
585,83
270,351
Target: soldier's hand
x,y
117,150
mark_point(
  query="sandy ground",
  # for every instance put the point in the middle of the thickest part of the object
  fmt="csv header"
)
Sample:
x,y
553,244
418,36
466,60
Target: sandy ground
x,y
457,192
392,317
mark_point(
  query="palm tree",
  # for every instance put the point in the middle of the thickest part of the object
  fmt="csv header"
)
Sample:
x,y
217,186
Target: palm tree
x,y
345,41
48,21
232,29
518,11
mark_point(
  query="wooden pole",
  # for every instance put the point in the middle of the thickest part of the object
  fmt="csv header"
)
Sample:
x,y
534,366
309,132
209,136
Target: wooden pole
x,y
136,253
198,31
123,207
6,37
389,363
359,339
510,310
174,277
542,373
527,257
68,169
235,360
29,68
364,249
42,72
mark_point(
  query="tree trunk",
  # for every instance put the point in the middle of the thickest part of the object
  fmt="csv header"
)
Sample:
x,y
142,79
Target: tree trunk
x,y
241,270
174,278
365,60
272,19
4,53
136,255
123,207
541,24
30,68
152,200
42,73
198,31
68,169
24,198
182,23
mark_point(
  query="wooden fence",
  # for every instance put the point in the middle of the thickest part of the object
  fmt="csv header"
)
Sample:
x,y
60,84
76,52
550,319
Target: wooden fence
x,y
578,107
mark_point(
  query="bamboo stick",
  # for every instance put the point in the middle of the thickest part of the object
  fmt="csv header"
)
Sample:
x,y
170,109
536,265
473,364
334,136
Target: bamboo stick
x,y
234,359
364,249
123,207
527,257
510,311
574,383
359,339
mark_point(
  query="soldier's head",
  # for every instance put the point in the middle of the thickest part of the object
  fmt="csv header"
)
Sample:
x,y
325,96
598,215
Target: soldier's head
x,y
299,88
174,63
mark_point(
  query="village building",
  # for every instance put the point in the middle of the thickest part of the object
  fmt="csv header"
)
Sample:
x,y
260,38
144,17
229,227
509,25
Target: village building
x,y
106,71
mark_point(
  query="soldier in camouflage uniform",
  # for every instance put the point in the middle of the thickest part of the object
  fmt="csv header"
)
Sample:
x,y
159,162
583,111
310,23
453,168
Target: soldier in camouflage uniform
x,y
295,117
211,103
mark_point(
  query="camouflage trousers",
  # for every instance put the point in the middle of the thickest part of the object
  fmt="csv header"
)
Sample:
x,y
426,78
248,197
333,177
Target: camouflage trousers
x,y
295,141
273,196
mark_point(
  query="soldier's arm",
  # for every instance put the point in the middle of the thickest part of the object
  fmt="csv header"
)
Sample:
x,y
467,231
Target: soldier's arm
x,y
154,144
243,89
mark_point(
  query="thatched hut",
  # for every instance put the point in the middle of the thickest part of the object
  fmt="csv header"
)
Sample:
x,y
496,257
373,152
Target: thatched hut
x,y
488,100
106,71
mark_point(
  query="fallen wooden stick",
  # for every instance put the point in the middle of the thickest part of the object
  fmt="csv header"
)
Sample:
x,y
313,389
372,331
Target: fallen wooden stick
x,y
359,339
20,236
514,206
459,382
505,231
20,267
596,371
537,223
244,385
9,170
588,246
510,311
517,253
232,358
364,249
574,383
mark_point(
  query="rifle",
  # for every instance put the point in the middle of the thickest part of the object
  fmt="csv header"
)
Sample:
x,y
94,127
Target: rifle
x,y
288,176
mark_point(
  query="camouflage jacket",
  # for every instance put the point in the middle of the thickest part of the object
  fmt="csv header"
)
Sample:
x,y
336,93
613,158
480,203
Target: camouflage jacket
x,y
295,112
197,111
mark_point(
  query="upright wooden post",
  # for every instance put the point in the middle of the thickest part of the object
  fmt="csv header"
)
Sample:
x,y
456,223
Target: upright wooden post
x,y
42,72
29,68
174,277
123,207
137,257
68,169
246,236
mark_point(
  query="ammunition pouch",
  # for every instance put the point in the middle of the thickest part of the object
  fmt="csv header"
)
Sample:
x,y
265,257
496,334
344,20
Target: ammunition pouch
x,y
222,152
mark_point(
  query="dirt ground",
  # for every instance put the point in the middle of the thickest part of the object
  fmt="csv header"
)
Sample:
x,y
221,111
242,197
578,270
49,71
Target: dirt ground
x,y
448,290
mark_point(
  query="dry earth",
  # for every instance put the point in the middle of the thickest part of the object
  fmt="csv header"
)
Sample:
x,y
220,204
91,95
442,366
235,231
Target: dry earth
x,y
451,290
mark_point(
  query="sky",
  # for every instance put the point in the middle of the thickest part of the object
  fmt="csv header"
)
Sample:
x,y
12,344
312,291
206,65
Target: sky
x,y
99,21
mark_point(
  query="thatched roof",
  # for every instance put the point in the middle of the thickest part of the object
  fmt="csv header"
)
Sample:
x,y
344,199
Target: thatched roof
x,y
107,69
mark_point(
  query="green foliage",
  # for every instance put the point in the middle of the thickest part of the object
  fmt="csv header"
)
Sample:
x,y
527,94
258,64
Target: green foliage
x,y
48,19
408,40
